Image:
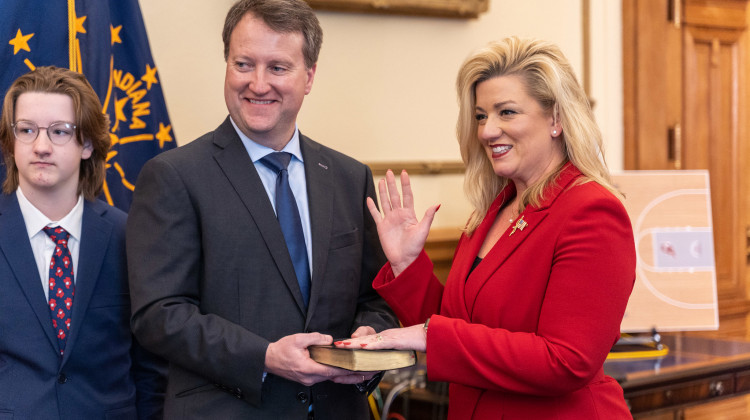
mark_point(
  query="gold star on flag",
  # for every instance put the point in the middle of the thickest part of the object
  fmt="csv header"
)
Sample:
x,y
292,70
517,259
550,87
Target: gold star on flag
x,y
113,140
79,25
115,34
150,76
163,134
20,42
119,113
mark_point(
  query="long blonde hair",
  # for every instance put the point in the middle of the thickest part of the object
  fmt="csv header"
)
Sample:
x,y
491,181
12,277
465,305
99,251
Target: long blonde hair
x,y
549,79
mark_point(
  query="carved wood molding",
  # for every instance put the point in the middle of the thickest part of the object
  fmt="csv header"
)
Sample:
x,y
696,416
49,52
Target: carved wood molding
x,y
417,167
438,8
737,307
440,247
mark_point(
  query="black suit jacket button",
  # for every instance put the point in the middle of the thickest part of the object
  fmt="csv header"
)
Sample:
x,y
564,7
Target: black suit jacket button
x,y
61,379
302,397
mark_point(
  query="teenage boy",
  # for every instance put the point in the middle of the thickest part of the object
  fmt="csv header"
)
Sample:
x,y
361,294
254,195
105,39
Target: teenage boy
x,y
66,350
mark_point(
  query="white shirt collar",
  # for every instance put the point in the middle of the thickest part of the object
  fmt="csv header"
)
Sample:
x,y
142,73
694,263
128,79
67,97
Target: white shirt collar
x,y
257,151
36,220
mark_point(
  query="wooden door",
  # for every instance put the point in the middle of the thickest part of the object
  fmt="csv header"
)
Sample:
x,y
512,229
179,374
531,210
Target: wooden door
x,y
686,99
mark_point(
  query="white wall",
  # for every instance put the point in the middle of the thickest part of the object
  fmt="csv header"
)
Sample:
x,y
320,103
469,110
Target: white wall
x,y
606,76
384,88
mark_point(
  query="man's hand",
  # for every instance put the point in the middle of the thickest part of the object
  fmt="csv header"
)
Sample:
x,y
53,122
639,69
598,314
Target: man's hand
x,y
363,331
289,358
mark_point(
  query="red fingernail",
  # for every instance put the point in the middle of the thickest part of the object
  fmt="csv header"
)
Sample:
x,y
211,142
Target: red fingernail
x,y
363,345
337,342
346,343
438,207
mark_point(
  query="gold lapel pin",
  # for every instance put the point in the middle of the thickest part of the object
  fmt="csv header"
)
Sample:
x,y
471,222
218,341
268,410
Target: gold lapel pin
x,y
520,225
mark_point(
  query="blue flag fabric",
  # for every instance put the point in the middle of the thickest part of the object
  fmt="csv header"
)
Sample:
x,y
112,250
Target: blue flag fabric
x,y
106,41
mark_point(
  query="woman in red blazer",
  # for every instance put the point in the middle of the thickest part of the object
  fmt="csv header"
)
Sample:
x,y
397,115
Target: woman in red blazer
x,y
542,274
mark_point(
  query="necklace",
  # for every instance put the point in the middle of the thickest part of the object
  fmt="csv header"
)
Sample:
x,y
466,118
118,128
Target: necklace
x,y
514,213
512,210
513,216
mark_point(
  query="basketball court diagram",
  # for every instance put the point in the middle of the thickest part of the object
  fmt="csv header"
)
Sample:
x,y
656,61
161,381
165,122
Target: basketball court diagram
x,y
675,286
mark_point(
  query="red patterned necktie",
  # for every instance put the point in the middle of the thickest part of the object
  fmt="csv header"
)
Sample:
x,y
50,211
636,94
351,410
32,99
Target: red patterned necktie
x,y
61,286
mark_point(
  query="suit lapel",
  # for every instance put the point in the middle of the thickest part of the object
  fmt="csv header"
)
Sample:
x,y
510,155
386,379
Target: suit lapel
x,y
510,240
320,202
471,282
503,249
95,234
15,245
236,165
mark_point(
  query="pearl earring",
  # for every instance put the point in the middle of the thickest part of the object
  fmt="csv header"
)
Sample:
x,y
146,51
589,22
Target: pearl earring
x,y
554,132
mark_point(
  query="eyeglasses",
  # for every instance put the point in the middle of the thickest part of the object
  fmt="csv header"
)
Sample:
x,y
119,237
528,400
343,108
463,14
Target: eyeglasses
x,y
59,133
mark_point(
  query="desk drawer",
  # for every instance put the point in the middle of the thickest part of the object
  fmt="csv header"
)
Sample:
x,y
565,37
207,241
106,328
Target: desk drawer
x,y
743,382
675,395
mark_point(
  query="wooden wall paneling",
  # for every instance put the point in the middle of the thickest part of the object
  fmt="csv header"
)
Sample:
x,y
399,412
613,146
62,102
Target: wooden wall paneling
x,y
629,20
440,247
728,14
712,103
652,81
744,155
685,70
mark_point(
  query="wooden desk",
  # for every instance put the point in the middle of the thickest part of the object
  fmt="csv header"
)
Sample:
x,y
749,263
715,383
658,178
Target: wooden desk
x,y
696,371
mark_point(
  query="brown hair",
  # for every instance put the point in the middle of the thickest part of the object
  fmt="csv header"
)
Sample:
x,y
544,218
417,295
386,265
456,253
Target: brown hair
x,y
282,16
92,124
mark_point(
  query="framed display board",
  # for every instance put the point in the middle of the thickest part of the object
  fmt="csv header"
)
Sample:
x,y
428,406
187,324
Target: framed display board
x,y
675,286
438,8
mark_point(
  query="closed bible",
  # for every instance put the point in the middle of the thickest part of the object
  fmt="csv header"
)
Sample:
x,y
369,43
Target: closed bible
x,y
363,360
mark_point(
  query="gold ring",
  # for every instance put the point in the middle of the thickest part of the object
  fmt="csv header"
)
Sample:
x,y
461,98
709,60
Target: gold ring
x,y
378,337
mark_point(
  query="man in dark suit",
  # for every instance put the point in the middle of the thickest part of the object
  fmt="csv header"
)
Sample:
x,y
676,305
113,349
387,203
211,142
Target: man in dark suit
x,y
215,277
66,350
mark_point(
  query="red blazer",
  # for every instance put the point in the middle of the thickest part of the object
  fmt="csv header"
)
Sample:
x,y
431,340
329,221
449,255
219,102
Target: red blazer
x,y
525,335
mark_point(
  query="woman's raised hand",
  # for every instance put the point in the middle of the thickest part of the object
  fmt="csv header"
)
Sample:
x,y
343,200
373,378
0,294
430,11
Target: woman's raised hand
x,y
402,236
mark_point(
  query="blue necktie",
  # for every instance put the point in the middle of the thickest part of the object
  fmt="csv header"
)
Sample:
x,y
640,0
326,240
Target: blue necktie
x,y
61,286
288,215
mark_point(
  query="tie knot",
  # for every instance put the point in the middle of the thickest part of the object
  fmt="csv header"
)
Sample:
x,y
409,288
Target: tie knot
x,y
57,233
277,161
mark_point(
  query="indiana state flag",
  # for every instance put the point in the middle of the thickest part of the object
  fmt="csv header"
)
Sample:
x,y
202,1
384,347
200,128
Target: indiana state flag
x,y
105,40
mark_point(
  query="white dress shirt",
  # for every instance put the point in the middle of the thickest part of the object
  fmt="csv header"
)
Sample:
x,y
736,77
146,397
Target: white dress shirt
x,y
41,244
297,179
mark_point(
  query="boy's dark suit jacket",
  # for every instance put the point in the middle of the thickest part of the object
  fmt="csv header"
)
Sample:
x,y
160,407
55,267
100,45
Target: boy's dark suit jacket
x,y
213,283
103,374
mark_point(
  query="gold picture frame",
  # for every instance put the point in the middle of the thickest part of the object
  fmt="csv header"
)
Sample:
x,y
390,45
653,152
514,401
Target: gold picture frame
x,y
421,167
436,8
